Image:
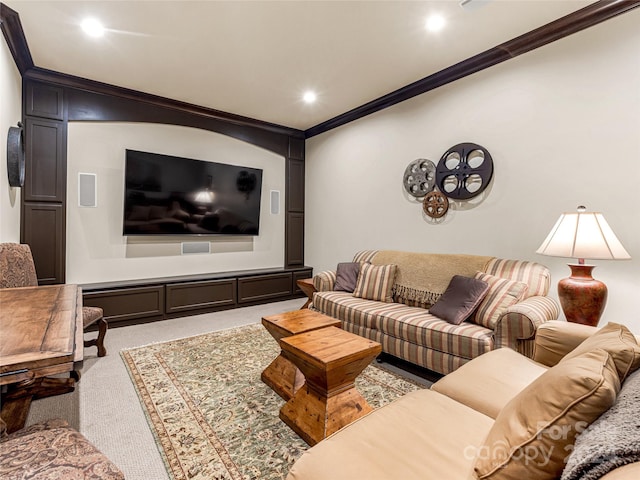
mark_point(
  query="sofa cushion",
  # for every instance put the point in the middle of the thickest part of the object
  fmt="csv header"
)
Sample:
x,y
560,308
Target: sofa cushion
x,y
346,276
460,299
490,381
501,295
375,282
412,325
535,431
535,275
618,341
421,436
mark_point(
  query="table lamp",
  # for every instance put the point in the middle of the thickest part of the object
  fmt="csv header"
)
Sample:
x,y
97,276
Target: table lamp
x,y
582,235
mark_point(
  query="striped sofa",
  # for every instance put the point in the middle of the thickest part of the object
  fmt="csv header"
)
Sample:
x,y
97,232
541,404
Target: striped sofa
x,y
407,330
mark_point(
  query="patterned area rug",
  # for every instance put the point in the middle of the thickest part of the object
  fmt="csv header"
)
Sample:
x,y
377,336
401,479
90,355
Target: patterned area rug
x,y
212,416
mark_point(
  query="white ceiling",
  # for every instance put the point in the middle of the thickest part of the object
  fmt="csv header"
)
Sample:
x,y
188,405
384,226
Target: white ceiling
x,y
256,58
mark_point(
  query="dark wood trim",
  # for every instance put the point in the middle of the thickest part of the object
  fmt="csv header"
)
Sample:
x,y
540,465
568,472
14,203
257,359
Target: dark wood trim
x,y
565,26
14,35
111,91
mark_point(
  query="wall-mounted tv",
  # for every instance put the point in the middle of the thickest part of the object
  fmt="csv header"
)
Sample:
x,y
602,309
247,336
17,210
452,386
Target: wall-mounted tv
x,y
166,195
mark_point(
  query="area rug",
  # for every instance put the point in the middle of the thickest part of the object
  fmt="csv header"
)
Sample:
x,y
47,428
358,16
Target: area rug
x,y
211,415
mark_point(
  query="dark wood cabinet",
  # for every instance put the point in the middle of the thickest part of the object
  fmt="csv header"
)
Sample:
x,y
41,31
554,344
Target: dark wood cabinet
x,y
264,287
187,296
45,161
43,230
128,303
295,239
41,100
131,301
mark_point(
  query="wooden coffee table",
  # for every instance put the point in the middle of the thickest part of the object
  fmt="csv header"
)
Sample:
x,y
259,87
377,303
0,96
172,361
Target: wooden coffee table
x,y
330,360
281,375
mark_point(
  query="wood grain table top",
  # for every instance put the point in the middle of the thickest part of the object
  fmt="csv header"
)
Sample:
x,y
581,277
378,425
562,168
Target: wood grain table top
x,y
330,346
298,321
40,331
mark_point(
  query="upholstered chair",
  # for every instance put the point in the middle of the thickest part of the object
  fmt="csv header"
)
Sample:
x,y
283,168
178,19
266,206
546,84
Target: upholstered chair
x,y
18,270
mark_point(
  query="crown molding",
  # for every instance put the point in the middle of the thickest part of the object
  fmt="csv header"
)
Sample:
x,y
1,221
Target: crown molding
x,y
584,18
14,35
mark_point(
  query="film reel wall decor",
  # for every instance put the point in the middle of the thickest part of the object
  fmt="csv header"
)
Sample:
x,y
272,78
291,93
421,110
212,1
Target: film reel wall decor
x,y
463,172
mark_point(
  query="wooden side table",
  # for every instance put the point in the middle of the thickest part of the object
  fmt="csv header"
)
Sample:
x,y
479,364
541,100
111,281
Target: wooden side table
x,y
306,285
330,360
281,375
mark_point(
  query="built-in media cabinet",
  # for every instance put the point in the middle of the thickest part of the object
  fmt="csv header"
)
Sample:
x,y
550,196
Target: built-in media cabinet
x,y
134,301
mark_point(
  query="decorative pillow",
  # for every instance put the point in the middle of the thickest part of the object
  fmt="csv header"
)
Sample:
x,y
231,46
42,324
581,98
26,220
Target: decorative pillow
x,y
534,433
460,299
375,282
346,276
618,342
501,295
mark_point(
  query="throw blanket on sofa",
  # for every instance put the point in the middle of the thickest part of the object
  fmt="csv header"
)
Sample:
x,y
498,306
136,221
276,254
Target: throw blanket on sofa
x,y
612,441
423,277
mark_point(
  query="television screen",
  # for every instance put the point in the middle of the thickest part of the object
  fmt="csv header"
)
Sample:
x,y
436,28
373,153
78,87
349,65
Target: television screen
x,y
166,195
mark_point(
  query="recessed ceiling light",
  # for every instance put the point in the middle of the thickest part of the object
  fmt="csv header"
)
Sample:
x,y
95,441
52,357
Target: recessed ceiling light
x,y
435,23
92,27
309,96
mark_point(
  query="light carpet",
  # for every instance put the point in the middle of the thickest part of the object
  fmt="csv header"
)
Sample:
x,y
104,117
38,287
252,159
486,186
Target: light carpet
x,y
213,418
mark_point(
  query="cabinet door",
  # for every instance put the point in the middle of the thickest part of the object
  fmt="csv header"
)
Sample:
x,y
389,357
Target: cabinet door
x,y
44,101
45,162
264,287
43,231
183,297
127,304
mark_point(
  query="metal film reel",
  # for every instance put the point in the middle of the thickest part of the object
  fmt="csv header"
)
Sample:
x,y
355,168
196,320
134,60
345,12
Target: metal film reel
x,y
419,177
435,204
464,171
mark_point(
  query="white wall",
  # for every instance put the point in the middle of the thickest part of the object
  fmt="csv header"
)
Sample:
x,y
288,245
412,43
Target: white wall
x,y
563,126
96,249
10,114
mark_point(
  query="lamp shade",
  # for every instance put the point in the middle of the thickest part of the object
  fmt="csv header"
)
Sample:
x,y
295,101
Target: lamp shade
x,y
583,235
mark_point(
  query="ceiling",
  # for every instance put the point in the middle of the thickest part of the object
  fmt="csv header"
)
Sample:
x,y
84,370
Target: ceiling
x,y
257,58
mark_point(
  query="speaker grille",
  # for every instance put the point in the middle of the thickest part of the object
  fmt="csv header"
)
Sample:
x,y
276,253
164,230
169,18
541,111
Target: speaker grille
x,y
275,202
195,247
87,190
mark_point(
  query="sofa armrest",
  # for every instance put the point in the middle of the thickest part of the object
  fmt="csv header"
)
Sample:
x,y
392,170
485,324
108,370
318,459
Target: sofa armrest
x,y
516,329
324,281
557,338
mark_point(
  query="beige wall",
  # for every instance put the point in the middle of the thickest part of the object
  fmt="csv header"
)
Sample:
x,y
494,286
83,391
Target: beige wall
x,y
10,114
563,126
96,249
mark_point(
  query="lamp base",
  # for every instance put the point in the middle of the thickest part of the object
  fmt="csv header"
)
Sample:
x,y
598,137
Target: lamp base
x,y
582,297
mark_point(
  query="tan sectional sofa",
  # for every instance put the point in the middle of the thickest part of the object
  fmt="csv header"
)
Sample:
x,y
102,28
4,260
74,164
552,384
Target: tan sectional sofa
x,y
504,416
407,330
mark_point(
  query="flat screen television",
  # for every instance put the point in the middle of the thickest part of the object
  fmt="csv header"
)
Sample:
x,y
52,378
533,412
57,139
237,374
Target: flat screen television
x,y
166,195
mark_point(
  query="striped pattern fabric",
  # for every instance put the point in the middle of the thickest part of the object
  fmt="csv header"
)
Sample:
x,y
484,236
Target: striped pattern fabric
x,y
324,281
375,282
501,295
411,325
535,275
517,329
365,256
434,360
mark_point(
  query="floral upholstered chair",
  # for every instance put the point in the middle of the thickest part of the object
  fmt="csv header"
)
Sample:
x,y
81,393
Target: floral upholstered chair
x,y
52,451
18,270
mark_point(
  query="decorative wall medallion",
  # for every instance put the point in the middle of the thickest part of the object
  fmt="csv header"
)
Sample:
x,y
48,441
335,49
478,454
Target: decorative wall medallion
x,y
464,171
435,204
15,156
420,177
